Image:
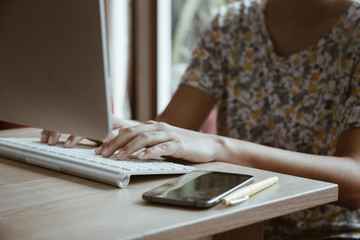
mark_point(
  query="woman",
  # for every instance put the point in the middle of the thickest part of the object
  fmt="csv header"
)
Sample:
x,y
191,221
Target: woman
x,y
285,76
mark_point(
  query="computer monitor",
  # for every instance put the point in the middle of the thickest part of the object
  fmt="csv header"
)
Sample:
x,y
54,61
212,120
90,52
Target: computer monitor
x,y
54,68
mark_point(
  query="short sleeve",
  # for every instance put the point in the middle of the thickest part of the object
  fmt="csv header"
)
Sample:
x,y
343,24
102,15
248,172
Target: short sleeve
x,y
204,69
352,106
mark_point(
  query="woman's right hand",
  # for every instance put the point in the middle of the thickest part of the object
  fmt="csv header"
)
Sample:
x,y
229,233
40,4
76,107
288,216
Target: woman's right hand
x,y
52,137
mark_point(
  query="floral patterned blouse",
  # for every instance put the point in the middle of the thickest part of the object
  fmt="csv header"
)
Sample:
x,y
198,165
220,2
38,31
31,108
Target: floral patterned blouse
x,y
301,102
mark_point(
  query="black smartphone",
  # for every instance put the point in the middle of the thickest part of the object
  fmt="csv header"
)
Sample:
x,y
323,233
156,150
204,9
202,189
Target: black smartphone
x,y
199,188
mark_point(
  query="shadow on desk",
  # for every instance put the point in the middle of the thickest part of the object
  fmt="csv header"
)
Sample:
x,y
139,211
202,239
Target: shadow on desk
x,y
7,125
37,173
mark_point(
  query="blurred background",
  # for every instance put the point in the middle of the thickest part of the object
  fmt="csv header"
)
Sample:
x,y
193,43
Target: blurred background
x,y
150,45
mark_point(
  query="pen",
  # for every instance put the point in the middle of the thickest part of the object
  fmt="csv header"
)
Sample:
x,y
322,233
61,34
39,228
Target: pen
x,y
244,193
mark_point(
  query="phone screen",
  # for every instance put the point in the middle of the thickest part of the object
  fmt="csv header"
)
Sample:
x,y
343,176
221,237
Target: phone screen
x,y
198,188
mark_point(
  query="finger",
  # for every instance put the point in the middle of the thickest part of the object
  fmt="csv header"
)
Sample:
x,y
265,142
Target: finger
x,y
44,136
101,148
53,138
159,150
72,141
142,141
125,135
49,137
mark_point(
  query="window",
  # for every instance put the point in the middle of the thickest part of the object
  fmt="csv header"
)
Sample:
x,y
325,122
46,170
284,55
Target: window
x,y
164,32
180,23
118,16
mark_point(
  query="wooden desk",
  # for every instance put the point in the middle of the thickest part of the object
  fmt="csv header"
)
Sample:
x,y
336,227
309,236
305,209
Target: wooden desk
x,y
37,203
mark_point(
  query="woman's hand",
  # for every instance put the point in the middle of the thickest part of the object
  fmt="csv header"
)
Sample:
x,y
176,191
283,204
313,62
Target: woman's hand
x,y
161,139
52,137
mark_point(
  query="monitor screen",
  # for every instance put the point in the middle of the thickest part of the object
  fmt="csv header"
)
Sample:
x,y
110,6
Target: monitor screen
x,y
54,66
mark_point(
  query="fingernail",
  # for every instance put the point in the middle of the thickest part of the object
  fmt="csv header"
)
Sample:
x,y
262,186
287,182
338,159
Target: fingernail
x,y
67,143
50,140
105,152
120,154
97,150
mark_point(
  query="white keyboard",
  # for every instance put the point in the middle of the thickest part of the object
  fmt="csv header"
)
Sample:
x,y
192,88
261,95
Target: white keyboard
x,y
82,161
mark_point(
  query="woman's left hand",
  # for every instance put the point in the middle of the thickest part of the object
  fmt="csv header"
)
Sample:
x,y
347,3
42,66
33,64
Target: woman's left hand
x,y
161,139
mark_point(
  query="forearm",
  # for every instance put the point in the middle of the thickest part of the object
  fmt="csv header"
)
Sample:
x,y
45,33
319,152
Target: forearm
x,y
188,108
341,170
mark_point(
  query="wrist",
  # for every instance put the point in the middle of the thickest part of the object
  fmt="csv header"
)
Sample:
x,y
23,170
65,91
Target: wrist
x,y
232,151
221,149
